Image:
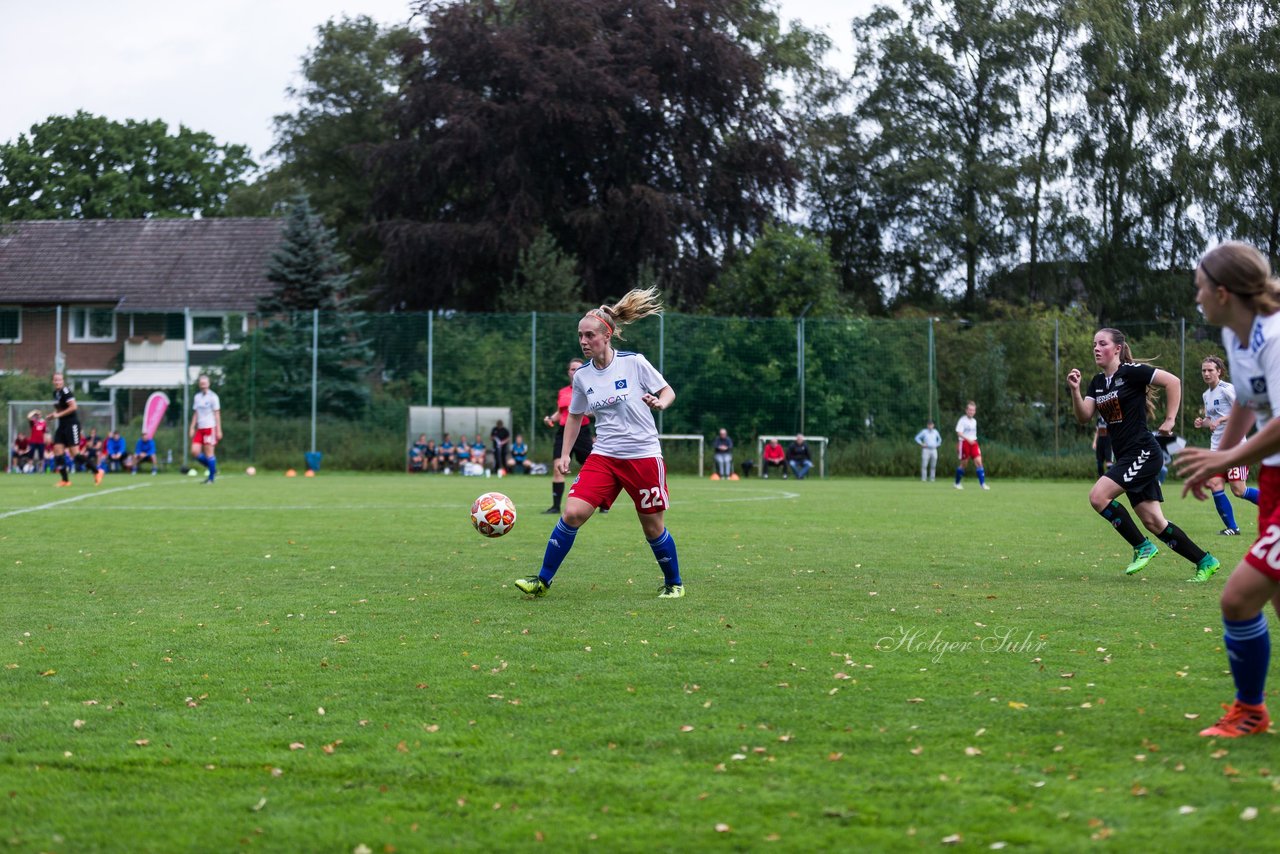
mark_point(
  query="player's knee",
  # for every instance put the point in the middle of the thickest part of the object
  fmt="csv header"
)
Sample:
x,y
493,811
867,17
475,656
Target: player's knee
x,y
1235,607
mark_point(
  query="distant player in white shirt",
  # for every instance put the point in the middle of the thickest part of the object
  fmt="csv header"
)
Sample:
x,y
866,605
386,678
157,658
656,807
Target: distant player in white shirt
x,y
618,389
1218,398
206,426
967,446
1236,290
929,440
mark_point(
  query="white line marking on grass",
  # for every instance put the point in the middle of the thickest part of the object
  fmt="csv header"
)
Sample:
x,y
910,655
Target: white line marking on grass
x,y
81,497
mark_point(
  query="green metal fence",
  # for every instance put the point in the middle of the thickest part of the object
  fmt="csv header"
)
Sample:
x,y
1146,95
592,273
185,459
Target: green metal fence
x,y
868,384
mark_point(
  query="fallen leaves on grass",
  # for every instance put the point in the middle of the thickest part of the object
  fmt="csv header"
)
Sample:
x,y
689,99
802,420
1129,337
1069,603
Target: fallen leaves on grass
x,y
142,742
973,751
723,828
1249,814
297,745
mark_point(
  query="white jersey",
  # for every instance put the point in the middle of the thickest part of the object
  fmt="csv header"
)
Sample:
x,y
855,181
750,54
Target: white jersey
x,y
204,405
1256,367
624,424
967,428
1217,404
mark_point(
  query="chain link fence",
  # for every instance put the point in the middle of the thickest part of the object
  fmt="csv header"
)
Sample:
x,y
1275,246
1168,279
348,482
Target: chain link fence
x,y
341,383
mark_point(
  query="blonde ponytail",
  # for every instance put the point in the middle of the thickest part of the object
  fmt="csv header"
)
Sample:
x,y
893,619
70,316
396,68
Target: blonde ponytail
x,y
636,304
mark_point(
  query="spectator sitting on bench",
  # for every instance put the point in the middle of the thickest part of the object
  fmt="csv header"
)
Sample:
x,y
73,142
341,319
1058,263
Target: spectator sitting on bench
x,y
144,452
418,454
518,459
115,451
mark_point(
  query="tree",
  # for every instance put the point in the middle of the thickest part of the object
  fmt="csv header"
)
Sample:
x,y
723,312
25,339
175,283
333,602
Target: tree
x,y
634,133
309,276
351,77
1243,87
786,273
1134,166
942,94
545,280
89,167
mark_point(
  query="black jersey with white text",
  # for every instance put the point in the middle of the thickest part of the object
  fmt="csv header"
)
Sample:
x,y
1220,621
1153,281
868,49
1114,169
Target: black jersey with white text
x,y
1122,403
61,398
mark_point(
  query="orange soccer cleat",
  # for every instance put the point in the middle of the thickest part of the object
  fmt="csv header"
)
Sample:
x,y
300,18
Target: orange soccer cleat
x,y
62,483
97,477
1240,719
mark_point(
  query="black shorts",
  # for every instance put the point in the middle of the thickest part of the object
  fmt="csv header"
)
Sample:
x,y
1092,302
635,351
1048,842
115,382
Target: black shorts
x,y
1138,474
67,434
581,448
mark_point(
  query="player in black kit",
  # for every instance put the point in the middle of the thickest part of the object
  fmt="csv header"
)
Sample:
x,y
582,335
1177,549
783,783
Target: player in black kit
x,y
1119,396
67,437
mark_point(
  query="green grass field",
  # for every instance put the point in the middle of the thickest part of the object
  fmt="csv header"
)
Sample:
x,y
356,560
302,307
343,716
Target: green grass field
x,y
342,664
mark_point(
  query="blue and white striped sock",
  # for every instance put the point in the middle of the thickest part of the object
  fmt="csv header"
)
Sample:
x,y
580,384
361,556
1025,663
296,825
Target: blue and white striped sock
x,y
1249,652
664,549
558,545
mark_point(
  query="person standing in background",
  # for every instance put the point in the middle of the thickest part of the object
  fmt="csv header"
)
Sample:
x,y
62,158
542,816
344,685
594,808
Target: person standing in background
x,y
929,440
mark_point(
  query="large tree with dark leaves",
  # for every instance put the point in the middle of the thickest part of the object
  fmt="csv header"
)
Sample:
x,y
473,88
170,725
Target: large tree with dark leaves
x,y
633,132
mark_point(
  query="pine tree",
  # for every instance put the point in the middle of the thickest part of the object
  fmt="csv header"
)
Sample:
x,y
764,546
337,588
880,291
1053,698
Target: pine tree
x,y
310,274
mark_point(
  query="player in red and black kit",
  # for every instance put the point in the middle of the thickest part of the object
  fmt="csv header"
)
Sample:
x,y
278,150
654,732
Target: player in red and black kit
x,y
1119,396
581,447
67,436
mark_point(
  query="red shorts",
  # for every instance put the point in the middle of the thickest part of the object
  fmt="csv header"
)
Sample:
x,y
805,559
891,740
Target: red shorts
x,y
205,436
602,478
1237,473
1264,554
969,450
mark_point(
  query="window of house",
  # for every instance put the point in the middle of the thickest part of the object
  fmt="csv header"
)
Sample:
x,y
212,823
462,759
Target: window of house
x,y
91,325
11,325
208,331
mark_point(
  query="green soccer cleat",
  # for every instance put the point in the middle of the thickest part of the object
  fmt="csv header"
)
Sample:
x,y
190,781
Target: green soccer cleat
x,y
1142,556
533,585
1205,569
671,591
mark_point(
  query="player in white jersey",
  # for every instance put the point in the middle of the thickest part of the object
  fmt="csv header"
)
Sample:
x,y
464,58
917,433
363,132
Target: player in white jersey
x,y
618,389
1236,290
206,426
967,447
1218,398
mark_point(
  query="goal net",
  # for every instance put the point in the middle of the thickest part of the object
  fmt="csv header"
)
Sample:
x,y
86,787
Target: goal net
x,y
94,414
682,454
785,441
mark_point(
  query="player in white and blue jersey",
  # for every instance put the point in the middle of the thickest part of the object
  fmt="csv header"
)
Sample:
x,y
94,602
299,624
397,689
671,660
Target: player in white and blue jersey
x,y
1237,291
1218,398
619,389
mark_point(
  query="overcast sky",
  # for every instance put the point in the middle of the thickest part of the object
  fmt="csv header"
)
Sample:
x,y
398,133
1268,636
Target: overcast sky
x,y
219,66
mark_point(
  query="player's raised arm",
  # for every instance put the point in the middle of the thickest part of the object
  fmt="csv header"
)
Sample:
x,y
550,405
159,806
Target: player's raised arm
x,y
1084,407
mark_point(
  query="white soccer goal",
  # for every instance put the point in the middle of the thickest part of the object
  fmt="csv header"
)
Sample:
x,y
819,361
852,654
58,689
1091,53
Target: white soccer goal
x,y
93,413
820,441
687,437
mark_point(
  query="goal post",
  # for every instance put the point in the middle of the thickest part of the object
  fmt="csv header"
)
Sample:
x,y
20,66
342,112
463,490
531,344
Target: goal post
x,y
687,437
820,441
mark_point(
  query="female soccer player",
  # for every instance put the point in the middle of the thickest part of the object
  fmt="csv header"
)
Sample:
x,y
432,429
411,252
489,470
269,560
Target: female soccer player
x,y
206,427
618,388
1236,291
1119,395
1218,398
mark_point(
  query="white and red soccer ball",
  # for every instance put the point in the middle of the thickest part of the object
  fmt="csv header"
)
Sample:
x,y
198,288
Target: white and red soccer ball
x,y
493,514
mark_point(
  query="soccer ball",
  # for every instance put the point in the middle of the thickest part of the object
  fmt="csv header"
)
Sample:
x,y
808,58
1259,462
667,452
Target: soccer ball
x,y
251,471
493,514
